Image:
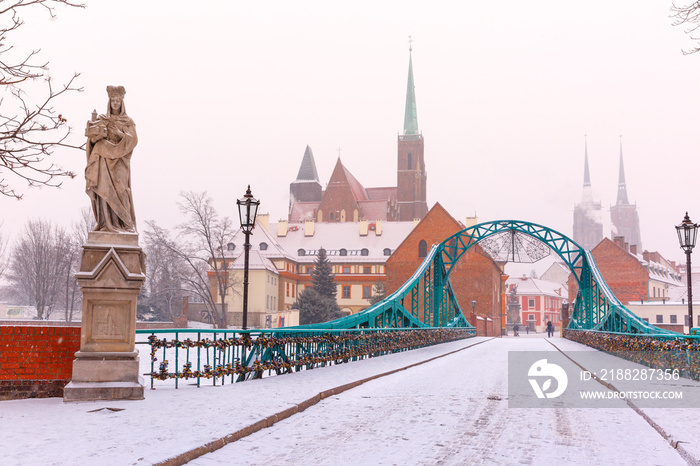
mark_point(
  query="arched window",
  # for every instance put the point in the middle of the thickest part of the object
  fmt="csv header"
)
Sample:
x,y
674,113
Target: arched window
x,y
364,252
301,252
422,248
332,216
230,246
409,161
263,246
343,252
387,251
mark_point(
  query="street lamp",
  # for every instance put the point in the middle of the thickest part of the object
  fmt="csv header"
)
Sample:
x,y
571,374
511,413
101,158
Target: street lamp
x,y
687,234
476,327
247,210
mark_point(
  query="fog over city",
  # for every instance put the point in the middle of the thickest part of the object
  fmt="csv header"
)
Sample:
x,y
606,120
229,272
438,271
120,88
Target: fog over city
x,y
227,94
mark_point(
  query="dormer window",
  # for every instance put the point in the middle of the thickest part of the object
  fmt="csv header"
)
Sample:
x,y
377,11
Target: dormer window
x,y
263,246
230,246
343,252
301,252
364,252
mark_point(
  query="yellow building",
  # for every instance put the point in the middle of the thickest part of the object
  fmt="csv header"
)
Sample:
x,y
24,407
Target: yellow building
x,y
282,256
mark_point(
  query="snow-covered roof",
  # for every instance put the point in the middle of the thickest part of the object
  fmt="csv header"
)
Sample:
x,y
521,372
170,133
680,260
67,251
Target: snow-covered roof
x,y
536,287
342,241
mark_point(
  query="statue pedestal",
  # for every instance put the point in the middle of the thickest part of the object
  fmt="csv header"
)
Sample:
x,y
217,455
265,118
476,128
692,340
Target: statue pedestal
x,y
110,277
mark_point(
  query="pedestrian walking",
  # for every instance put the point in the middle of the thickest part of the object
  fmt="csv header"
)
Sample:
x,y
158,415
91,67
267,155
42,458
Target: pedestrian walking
x,y
550,329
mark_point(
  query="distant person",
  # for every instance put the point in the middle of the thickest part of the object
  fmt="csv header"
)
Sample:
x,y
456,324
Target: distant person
x,y
515,330
527,330
550,329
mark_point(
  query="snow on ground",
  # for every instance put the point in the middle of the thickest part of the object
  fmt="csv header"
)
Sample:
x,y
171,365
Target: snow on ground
x,y
453,410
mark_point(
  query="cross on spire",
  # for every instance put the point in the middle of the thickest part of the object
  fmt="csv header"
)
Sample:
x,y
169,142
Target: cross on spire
x,y
410,44
339,149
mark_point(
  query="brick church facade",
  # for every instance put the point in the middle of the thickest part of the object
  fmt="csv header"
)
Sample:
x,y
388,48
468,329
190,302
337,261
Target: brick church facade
x,y
345,199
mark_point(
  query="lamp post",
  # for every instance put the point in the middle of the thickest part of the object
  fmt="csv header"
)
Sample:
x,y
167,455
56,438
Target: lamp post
x,y
247,210
476,326
687,234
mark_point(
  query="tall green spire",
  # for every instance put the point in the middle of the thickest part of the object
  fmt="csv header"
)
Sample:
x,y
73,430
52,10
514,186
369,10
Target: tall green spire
x,y
410,119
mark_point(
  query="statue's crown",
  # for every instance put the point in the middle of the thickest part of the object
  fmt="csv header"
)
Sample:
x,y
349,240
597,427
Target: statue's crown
x,y
116,90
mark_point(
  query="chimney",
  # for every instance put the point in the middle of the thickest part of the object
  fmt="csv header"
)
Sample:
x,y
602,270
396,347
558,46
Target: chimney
x,y
471,221
378,228
633,249
364,227
620,241
308,227
263,220
282,228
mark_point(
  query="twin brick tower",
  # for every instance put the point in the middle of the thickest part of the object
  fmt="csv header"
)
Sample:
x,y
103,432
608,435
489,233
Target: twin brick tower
x,y
588,215
346,200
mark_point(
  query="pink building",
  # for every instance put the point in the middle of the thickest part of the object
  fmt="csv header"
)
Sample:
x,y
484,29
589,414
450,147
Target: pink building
x,y
540,301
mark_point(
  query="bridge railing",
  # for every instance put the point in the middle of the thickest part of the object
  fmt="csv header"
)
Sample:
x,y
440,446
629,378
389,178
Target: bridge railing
x,y
672,351
238,355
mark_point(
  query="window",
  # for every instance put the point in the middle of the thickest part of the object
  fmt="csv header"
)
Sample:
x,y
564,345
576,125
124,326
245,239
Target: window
x,y
422,248
366,291
698,321
294,289
332,216
343,252
387,251
346,269
674,319
309,269
409,161
364,252
287,289
687,319
230,246
301,252
659,319
367,269
346,291
531,304
645,319
263,246
531,317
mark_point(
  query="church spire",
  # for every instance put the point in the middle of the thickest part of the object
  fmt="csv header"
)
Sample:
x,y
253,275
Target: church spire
x,y
586,172
621,185
410,119
307,170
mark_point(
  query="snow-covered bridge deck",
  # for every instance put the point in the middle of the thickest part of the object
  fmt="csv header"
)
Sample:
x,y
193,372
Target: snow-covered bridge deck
x,y
450,410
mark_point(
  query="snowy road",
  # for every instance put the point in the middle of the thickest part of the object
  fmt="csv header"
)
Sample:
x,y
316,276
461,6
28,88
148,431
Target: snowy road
x,y
449,410
453,410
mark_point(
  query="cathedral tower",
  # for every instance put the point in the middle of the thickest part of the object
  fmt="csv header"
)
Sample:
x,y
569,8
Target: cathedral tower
x,y
625,218
588,216
411,175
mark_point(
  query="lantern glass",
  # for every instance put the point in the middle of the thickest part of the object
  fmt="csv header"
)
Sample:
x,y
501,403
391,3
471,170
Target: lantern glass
x,y
247,210
687,234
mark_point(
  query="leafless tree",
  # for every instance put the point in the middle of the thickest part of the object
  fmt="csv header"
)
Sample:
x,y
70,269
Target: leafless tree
x,y
688,16
165,271
3,253
73,298
39,264
30,126
200,241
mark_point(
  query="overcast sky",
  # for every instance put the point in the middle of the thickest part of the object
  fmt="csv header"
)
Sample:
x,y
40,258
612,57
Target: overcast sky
x,y
226,94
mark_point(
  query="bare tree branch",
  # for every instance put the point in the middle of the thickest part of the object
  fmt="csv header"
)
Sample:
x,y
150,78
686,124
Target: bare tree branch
x,y
30,129
688,16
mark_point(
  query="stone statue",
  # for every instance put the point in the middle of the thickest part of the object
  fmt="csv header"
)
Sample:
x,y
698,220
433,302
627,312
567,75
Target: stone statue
x,y
111,141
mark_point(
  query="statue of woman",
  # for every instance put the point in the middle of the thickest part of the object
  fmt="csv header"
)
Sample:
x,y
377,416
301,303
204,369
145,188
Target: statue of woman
x,y
111,140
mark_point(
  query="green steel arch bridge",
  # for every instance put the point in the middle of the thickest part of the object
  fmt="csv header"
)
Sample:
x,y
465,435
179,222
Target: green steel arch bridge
x,y
428,299
422,312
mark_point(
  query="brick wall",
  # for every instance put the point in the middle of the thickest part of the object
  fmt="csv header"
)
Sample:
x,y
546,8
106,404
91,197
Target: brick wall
x,y
36,361
475,277
622,272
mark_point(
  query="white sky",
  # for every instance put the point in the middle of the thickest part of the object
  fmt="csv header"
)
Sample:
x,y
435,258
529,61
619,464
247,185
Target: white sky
x,y
226,94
